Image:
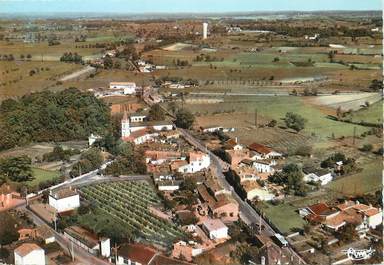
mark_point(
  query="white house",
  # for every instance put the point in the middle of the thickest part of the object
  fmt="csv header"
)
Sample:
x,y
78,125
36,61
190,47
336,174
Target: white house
x,y
260,152
197,161
215,229
128,87
127,127
64,200
212,129
168,185
317,175
29,253
88,241
138,117
264,166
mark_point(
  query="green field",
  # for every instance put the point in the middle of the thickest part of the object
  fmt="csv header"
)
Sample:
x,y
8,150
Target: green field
x,y
368,180
284,216
372,114
41,175
275,107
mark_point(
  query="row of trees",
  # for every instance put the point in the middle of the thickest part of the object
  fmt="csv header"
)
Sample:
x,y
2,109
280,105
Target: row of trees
x,y
129,161
47,116
59,154
71,58
89,160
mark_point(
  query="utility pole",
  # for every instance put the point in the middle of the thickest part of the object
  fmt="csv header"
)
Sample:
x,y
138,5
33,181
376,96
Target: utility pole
x,y
55,219
115,253
72,252
354,134
256,118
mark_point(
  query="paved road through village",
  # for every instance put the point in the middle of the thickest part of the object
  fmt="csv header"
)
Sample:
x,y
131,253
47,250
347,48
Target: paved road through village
x,y
247,213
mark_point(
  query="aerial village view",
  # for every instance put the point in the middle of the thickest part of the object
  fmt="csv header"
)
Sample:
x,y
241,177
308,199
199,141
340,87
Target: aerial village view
x,y
191,132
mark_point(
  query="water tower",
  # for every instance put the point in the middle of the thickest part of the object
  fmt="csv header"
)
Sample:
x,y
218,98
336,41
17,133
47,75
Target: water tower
x,y
205,30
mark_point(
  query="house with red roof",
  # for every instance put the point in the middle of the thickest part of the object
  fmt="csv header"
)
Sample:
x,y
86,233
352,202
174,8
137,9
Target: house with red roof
x,y
260,152
140,254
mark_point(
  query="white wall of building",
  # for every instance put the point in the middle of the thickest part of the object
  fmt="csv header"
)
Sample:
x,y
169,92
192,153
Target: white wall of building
x,y
196,166
166,127
168,187
375,220
324,179
35,257
125,128
65,204
105,248
137,118
218,233
262,168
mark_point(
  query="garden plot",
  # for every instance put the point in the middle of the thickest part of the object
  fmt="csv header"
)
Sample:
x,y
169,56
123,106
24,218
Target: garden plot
x,y
128,203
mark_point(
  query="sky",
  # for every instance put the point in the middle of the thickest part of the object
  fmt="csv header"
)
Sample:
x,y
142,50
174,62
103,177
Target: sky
x,y
174,6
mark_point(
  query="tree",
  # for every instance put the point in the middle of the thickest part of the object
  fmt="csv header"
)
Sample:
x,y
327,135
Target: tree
x,y
16,168
339,113
367,148
189,184
294,121
376,85
8,233
293,174
184,119
108,63
89,160
156,113
331,160
347,233
272,123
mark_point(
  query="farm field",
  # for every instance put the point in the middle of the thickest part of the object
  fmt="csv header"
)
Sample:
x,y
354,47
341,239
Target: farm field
x,y
43,50
347,102
16,78
127,203
318,127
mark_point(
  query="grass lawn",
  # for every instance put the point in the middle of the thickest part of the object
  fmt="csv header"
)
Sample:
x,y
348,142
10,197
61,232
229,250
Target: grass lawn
x,y
368,180
284,216
42,175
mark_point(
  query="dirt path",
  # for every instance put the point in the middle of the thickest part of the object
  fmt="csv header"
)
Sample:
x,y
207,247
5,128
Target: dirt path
x,y
86,70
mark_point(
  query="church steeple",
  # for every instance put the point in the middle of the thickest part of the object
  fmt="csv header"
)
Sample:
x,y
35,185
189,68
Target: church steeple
x,y
125,129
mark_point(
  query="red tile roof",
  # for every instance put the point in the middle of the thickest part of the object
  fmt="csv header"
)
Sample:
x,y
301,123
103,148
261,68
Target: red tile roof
x,y
137,253
319,208
262,149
